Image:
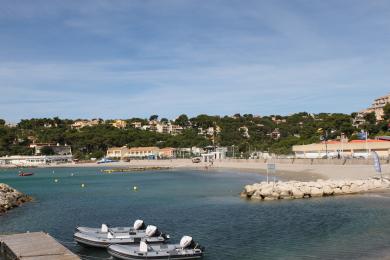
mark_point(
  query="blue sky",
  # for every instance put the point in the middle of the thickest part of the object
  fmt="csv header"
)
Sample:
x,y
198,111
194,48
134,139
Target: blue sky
x,y
121,59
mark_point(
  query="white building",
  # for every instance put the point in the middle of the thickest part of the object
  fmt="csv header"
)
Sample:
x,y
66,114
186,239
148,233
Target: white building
x,y
218,153
21,160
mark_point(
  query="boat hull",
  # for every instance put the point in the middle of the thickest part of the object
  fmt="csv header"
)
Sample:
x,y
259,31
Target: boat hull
x,y
91,241
160,257
167,252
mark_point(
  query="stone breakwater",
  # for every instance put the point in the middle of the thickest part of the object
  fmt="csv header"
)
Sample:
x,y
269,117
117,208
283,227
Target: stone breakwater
x,y
11,198
320,188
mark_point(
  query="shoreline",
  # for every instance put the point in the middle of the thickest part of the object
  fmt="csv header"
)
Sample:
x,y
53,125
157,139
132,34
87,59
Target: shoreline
x,y
299,172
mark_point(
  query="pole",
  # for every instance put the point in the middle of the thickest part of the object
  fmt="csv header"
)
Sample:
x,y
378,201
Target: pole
x,y
267,174
326,144
367,143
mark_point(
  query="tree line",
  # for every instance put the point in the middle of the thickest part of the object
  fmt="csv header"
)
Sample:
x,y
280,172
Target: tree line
x,y
246,133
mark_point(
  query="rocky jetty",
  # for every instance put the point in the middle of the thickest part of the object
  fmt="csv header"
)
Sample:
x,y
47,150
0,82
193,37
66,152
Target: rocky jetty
x,y
320,188
11,198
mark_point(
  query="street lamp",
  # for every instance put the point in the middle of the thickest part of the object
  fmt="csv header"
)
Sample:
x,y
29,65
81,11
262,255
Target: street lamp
x,y
324,137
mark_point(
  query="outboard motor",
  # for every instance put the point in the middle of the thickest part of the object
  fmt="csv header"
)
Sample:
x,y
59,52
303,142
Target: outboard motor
x,y
139,225
185,241
150,230
189,243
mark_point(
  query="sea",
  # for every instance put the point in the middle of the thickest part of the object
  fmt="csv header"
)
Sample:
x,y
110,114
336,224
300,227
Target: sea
x,y
204,204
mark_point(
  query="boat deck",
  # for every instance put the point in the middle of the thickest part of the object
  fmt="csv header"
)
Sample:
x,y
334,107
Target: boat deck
x,y
33,246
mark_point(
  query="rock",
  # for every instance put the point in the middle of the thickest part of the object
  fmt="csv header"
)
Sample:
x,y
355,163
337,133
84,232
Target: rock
x,y
257,195
316,192
297,194
249,190
291,189
10,198
346,189
267,191
328,191
354,188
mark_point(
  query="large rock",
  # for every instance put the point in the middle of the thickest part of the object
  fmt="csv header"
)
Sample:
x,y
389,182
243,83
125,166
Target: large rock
x,y
328,191
316,192
10,198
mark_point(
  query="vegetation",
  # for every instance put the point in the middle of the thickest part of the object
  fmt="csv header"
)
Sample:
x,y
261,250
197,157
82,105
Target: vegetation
x,y
243,133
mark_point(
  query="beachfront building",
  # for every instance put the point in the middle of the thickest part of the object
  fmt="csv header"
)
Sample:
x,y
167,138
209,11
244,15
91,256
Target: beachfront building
x,y
335,149
167,152
56,148
23,161
214,153
117,152
143,152
152,152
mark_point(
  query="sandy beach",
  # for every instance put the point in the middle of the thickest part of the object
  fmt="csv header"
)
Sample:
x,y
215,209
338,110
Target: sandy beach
x,y
300,172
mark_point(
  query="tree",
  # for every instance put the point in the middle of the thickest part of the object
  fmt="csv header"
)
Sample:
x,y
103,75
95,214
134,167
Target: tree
x,y
47,150
153,117
386,112
182,120
2,122
370,118
164,120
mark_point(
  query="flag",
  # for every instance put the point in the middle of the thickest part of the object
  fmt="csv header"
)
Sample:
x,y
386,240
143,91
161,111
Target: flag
x,y
377,162
362,135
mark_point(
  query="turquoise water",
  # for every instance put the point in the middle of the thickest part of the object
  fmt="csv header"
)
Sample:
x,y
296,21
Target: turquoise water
x,y
206,206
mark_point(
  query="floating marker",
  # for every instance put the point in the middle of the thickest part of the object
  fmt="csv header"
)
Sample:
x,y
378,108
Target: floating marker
x,y
72,174
82,185
135,188
55,180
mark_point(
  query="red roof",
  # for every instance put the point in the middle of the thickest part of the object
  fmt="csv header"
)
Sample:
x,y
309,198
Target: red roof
x,y
358,141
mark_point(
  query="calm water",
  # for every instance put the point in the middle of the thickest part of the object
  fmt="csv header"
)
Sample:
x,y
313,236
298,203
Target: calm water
x,y
205,205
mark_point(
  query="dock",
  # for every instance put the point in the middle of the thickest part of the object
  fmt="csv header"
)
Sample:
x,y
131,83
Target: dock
x,y
33,246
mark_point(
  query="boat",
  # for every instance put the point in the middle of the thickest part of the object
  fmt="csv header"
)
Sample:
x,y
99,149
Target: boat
x,y
187,249
101,239
26,174
105,160
138,226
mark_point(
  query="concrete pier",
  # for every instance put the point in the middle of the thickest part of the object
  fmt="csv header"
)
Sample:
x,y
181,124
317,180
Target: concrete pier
x,y
33,246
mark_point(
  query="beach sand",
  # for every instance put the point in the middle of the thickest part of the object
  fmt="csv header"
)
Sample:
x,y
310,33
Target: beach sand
x,y
299,172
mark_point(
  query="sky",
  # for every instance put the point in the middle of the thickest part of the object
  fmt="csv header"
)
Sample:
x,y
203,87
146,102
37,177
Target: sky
x,y
133,58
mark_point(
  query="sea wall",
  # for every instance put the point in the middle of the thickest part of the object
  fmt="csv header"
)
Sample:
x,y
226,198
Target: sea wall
x,y
11,198
320,188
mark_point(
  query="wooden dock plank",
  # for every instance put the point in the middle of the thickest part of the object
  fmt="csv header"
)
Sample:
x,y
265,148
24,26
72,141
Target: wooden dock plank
x,y
37,246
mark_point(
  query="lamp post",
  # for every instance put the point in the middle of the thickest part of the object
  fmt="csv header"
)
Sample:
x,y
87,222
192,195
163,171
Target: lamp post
x,y
326,144
324,137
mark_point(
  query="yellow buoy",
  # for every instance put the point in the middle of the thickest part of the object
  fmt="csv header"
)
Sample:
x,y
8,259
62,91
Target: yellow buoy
x,y
82,185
